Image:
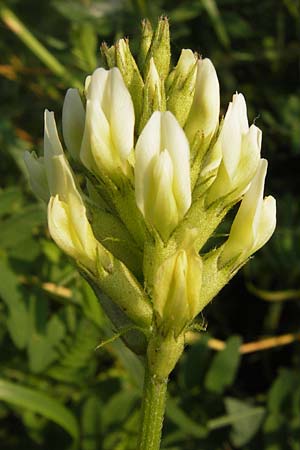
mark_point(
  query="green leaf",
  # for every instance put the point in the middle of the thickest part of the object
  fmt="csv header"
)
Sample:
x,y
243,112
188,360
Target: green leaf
x,y
119,407
282,389
10,199
18,325
19,226
9,285
224,366
246,420
181,419
18,317
216,19
91,423
84,40
40,403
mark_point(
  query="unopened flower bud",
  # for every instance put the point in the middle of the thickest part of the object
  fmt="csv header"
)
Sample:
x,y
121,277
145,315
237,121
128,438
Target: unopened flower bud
x,y
176,294
73,118
162,173
154,95
109,125
254,223
182,86
130,73
203,119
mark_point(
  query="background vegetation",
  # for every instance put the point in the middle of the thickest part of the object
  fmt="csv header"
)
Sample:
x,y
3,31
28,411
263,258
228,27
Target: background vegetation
x,y
56,390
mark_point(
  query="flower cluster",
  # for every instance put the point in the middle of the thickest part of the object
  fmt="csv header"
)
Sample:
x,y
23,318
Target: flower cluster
x,y
159,171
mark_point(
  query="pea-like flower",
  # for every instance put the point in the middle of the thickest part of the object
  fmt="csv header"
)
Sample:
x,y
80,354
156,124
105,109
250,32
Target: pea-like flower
x,y
254,223
52,180
204,114
109,124
162,173
236,153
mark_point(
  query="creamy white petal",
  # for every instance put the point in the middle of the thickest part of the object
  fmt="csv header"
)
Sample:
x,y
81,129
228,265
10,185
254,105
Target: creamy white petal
x,y
231,140
205,109
186,62
153,78
37,175
60,177
247,233
160,204
52,144
249,160
121,114
73,118
193,283
162,284
250,209
174,140
266,224
147,146
96,85
87,84
60,226
57,168
239,104
97,151
71,231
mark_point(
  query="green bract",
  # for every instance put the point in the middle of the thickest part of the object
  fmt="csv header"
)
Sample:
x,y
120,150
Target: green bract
x,y
160,172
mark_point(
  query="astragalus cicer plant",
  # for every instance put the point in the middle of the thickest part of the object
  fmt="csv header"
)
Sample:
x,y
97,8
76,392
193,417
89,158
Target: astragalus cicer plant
x,y
159,172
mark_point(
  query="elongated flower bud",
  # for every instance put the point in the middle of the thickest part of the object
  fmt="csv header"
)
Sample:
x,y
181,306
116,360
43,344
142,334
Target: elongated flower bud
x,y
145,43
204,114
162,173
177,288
254,223
73,118
237,152
154,95
182,86
160,48
131,74
37,175
109,125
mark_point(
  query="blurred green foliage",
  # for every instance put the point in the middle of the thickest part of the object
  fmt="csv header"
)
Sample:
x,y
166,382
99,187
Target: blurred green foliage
x,y
56,389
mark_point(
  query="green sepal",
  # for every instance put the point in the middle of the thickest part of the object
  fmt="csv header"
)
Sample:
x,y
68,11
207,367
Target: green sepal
x,y
200,218
180,94
201,152
145,43
154,99
120,201
109,55
119,284
131,75
160,49
113,235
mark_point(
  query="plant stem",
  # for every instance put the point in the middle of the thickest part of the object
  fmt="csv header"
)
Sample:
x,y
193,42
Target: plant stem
x,y
153,410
